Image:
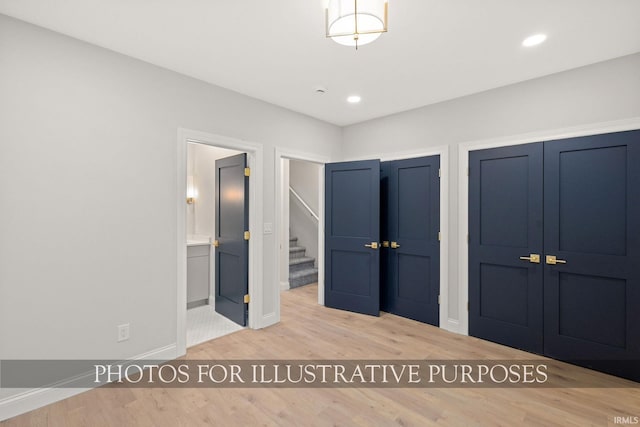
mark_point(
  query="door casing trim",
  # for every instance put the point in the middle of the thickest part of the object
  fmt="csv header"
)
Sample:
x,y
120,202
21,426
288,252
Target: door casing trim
x,y
463,188
255,162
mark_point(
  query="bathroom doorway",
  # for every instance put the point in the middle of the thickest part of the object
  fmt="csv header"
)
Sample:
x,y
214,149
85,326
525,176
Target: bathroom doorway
x,y
204,321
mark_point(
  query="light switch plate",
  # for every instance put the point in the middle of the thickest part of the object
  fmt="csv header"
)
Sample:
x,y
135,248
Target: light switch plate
x,y
268,228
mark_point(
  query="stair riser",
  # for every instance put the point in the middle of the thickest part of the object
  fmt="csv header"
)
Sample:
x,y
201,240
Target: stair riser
x,y
304,280
296,254
301,266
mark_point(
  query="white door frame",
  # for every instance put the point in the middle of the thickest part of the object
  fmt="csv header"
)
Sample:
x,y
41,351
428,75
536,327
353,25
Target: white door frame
x,y
442,151
256,213
281,154
463,188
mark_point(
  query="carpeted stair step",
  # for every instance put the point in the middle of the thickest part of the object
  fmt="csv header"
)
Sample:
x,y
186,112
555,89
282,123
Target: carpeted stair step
x,y
298,264
296,252
303,277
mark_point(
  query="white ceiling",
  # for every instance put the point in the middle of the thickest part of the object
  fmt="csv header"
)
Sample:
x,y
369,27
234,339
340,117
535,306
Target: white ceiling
x,y
276,50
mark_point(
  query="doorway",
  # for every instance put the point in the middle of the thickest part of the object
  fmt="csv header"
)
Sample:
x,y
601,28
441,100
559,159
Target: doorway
x,y
254,155
302,179
383,235
211,313
553,249
299,202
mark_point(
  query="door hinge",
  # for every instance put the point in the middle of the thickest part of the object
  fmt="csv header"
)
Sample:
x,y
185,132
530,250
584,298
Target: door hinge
x,y
467,305
247,172
439,173
467,239
467,171
439,236
438,299
247,235
247,299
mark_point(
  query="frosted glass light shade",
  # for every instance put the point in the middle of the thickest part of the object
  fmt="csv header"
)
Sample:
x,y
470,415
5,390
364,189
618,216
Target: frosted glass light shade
x,y
356,22
192,192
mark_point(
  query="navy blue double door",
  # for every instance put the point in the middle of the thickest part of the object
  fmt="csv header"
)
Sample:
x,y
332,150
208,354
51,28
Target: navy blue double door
x,y
554,249
382,237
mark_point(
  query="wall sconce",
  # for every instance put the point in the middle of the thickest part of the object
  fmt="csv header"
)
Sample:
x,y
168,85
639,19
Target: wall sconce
x,y
191,191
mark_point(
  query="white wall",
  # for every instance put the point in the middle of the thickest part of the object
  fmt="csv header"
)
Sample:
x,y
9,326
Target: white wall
x,y
597,93
88,191
304,179
201,162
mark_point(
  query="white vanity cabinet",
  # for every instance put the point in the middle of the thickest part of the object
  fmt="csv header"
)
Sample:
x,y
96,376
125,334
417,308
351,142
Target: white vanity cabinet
x,y
197,274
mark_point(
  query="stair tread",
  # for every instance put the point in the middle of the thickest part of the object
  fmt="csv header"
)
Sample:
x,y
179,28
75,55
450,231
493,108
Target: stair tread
x,y
297,248
300,260
302,273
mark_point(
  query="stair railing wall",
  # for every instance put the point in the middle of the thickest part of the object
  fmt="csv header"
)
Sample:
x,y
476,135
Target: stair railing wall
x,y
303,224
304,204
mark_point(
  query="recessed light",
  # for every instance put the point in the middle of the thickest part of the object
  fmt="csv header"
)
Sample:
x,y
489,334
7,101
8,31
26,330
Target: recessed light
x,y
534,40
354,99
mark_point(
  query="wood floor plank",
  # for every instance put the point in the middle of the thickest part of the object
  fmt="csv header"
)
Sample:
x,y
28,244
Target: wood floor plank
x,y
310,331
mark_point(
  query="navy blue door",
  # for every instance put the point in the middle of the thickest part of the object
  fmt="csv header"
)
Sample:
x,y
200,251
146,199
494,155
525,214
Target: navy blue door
x,y
592,227
352,236
411,249
231,246
505,235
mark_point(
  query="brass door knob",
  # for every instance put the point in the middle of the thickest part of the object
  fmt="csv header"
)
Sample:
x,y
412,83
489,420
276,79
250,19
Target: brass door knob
x,y
372,245
552,260
394,245
533,258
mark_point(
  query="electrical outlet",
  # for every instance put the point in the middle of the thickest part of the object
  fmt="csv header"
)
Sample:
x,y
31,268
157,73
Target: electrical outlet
x,y
123,332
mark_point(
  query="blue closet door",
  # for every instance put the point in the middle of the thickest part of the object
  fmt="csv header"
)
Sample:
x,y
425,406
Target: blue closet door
x,y
411,282
592,227
352,236
505,235
232,251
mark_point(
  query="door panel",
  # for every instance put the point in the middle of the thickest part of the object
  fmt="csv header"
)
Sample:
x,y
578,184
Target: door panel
x,y
592,222
232,252
412,273
352,220
505,223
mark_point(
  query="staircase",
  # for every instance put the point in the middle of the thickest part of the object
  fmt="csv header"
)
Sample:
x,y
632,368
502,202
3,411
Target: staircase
x,y
301,269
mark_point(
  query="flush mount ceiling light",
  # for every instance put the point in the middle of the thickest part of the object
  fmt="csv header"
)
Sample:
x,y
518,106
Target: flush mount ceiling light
x,y
534,40
356,22
354,99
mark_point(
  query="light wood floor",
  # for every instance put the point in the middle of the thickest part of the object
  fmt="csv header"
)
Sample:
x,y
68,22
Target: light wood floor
x,y
309,331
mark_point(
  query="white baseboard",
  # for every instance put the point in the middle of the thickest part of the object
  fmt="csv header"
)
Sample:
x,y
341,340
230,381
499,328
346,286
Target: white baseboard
x,y
36,398
452,325
284,286
269,319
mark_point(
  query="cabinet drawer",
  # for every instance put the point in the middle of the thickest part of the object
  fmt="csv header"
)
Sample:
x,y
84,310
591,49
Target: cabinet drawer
x,y
200,250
